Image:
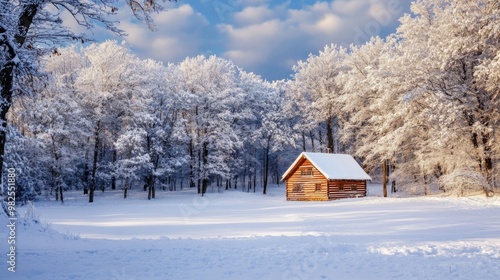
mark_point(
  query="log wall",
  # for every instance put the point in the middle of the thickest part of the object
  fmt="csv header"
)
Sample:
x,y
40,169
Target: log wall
x,y
346,188
308,182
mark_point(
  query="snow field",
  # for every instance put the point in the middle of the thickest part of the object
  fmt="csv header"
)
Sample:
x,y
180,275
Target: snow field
x,y
238,235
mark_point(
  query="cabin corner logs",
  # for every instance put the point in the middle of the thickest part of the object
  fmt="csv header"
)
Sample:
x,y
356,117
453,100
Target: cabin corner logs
x,y
305,182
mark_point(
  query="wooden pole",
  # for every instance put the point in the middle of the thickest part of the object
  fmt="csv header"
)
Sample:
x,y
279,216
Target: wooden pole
x,y
384,177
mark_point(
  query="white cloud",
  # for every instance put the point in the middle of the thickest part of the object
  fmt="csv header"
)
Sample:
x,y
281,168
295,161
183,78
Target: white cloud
x,y
263,35
179,34
254,15
349,7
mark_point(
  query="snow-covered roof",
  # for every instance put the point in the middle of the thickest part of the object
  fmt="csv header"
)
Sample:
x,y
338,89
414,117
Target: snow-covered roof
x,y
332,166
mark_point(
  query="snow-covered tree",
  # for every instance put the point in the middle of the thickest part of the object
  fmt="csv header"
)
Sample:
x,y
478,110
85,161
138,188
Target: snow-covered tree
x,y
30,28
445,49
424,99
53,120
316,90
214,96
106,88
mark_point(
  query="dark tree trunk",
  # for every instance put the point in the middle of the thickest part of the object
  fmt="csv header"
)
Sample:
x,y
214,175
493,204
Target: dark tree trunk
x,y
125,187
488,161
255,172
113,177
254,179
485,160
150,182
7,71
58,176
200,172
205,162
61,193
57,192
86,172
329,135
311,135
320,137
6,83
244,175
191,164
393,186
384,177
94,162
266,167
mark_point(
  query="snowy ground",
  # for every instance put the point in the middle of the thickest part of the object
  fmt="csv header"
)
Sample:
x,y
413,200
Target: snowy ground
x,y
236,235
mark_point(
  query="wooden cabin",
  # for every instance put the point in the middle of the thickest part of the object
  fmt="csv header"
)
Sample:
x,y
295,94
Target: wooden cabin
x,y
320,176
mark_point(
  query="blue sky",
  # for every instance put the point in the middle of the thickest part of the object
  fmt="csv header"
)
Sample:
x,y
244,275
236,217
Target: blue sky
x,y
261,36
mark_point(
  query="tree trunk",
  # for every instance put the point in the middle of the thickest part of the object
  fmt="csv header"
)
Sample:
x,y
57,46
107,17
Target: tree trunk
x,y
244,174
255,172
149,185
191,164
205,163
58,176
7,71
94,162
485,160
311,135
125,188
6,82
113,177
488,161
86,171
199,172
254,179
266,168
61,193
57,192
329,135
384,177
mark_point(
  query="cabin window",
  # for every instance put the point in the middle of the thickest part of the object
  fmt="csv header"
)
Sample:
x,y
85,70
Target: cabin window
x,y
341,187
298,187
318,187
306,172
354,188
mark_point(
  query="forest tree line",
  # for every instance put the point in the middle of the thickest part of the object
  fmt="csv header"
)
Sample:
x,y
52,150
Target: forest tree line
x,y
426,99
